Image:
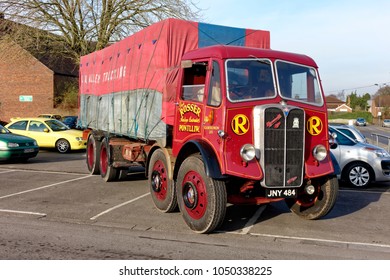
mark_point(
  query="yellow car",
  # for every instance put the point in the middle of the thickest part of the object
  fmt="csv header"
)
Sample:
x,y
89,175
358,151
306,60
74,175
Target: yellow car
x,y
49,133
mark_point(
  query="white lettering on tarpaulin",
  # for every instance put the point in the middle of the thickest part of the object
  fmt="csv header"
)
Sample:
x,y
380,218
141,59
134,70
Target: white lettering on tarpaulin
x,y
114,74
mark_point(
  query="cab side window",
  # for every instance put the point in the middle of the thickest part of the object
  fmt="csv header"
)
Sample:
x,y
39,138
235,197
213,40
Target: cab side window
x,y
214,98
194,82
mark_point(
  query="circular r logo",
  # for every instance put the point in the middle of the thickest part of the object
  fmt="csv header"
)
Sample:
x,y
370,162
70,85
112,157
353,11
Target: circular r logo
x,y
240,124
314,125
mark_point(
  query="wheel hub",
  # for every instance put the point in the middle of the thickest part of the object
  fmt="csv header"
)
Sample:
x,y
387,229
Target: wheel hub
x,y
190,195
156,181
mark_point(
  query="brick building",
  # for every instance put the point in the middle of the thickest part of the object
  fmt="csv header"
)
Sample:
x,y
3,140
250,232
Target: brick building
x,y
336,105
30,85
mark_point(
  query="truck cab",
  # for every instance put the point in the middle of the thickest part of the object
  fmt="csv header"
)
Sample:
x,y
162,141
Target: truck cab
x,y
257,121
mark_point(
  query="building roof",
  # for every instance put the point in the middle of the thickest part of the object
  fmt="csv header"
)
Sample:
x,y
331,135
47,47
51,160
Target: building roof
x,y
333,99
58,63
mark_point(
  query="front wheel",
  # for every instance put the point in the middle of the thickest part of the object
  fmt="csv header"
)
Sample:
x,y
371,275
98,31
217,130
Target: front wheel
x,y
318,204
359,175
201,199
107,172
62,146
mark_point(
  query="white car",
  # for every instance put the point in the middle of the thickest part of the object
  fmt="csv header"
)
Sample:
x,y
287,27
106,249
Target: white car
x,y
360,163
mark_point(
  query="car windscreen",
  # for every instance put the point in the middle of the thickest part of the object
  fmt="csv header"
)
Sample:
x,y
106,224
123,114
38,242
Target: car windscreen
x,y
56,125
3,130
342,139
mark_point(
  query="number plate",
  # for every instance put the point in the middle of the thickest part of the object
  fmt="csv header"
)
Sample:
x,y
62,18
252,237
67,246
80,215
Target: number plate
x,y
286,193
28,151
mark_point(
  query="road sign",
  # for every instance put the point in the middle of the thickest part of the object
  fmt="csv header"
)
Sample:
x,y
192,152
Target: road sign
x,y
25,98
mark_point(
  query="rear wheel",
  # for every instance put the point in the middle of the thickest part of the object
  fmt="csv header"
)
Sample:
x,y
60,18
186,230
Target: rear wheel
x,y
202,200
161,186
93,155
107,172
317,205
62,146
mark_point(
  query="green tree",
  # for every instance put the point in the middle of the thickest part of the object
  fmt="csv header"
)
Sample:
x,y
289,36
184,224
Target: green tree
x,y
359,103
78,27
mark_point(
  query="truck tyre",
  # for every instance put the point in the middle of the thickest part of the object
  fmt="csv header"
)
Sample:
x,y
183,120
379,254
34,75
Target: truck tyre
x,y
202,200
162,189
93,155
107,172
62,146
317,205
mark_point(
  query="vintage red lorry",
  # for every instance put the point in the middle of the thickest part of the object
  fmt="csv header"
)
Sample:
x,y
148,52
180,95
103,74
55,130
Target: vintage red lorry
x,y
214,116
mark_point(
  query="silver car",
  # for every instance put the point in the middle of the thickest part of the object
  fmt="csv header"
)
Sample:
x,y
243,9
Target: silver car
x,y
386,123
360,163
350,131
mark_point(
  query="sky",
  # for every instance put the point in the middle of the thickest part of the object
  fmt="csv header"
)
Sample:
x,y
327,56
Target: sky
x,y
348,39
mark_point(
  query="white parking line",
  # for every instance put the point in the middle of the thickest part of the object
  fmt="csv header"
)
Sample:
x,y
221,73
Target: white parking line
x,y
44,187
41,171
248,226
6,171
322,240
117,206
23,212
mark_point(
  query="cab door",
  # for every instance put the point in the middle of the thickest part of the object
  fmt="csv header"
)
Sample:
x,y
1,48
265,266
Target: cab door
x,y
190,106
213,114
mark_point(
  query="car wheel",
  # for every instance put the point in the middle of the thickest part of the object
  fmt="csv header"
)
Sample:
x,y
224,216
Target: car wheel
x,y
62,146
162,188
201,199
359,175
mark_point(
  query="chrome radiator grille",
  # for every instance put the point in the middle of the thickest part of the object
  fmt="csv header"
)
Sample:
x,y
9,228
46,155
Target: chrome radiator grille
x,y
283,147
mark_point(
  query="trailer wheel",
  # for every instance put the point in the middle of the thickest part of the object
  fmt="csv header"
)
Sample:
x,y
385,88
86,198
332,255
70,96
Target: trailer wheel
x,y
93,155
317,205
202,200
107,172
162,189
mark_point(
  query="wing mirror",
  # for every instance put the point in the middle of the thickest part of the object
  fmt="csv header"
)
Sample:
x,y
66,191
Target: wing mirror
x,y
332,140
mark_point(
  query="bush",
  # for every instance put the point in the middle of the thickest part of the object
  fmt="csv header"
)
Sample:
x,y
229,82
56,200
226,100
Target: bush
x,y
351,116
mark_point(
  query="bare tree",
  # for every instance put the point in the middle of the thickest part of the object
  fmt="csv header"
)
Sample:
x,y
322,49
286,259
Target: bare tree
x,y
78,27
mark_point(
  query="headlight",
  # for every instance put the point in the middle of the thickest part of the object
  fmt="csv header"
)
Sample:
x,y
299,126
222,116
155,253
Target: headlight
x,y
320,152
35,143
248,152
79,138
13,145
382,153
3,144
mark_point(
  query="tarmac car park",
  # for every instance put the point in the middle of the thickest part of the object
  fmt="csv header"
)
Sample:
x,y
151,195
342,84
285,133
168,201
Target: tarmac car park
x,y
51,208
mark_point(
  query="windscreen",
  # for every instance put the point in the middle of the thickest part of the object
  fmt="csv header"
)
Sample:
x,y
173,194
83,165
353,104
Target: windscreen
x,y
299,82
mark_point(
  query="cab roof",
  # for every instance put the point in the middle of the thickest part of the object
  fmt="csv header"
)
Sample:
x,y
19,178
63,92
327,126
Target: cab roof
x,y
226,52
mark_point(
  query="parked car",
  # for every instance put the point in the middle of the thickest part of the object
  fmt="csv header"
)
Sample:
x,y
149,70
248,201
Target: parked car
x,y
351,131
386,123
360,122
360,163
49,133
70,121
50,116
13,146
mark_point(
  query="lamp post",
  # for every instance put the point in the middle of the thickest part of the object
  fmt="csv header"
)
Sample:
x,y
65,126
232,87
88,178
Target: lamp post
x,y
379,102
